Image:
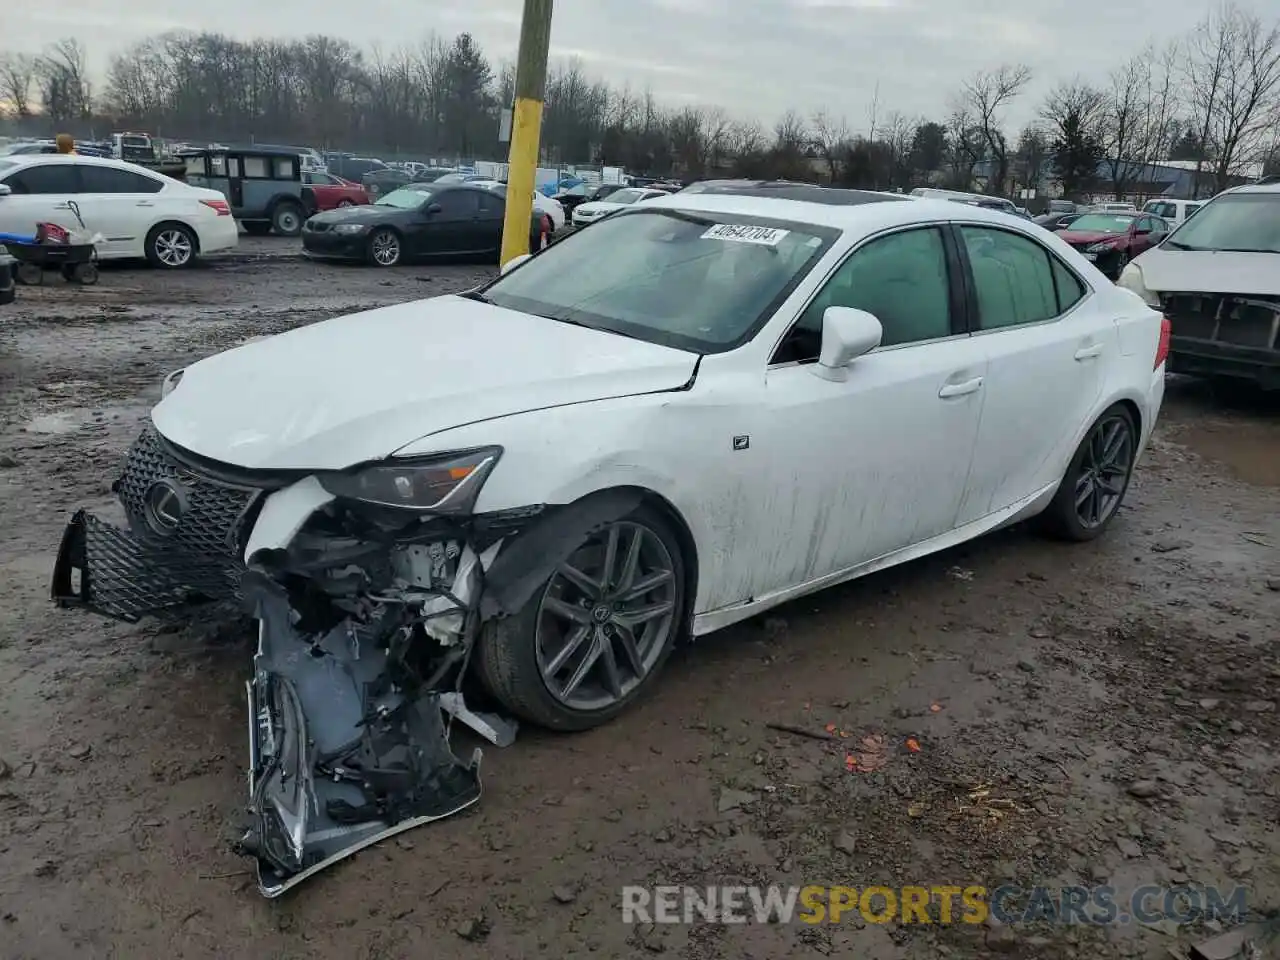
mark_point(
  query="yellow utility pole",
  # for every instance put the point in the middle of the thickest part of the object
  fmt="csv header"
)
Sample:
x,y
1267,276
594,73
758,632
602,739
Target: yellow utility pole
x,y
526,126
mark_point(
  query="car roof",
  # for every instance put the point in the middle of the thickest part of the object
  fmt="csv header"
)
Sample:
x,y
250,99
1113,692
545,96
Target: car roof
x,y
791,190
1265,185
37,159
862,216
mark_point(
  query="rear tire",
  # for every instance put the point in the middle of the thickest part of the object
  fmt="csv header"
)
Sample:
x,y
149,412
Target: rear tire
x,y
171,246
517,655
286,219
345,203
1096,480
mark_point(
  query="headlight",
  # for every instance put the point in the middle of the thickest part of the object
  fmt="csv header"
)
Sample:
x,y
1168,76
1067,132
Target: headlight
x,y
1131,280
1102,246
448,483
350,228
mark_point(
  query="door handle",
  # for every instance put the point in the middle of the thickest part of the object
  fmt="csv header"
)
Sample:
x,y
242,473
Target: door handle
x,y
62,206
960,389
1089,352
146,203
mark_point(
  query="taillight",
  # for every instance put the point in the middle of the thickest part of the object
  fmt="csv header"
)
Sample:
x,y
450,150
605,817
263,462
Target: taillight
x,y
221,206
1162,349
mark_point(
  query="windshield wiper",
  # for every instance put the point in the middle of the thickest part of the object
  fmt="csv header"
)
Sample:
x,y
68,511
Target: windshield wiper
x,y
1175,245
475,295
1245,250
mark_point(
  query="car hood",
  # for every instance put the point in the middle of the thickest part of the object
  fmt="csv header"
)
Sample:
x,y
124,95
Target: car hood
x,y
361,213
599,206
360,387
1205,271
1074,237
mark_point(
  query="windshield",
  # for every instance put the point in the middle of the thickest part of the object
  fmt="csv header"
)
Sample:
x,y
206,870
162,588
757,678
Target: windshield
x,y
669,277
1236,221
409,198
630,195
1103,223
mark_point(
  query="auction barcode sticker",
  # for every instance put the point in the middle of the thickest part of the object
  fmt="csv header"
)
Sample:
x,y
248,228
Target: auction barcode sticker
x,y
766,236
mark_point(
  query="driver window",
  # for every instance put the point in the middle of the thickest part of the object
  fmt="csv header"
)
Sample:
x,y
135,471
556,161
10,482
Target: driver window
x,y
901,279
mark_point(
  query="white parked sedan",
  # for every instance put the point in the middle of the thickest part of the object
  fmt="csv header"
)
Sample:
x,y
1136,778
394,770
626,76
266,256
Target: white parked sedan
x,y
585,213
139,213
541,202
704,407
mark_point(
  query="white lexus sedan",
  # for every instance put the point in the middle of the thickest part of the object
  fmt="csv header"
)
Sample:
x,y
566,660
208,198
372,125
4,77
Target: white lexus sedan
x,y
703,407
138,212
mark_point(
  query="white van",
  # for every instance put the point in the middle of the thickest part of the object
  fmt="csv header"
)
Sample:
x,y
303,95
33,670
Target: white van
x,y
1173,211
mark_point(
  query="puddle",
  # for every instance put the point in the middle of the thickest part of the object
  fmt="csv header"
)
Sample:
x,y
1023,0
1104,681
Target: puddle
x,y
52,424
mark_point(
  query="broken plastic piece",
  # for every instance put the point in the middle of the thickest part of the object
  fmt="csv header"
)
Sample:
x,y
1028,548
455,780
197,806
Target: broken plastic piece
x,y
497,730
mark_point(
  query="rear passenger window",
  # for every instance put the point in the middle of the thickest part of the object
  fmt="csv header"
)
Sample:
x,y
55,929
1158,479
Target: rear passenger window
x,y
1016,280
1070,289
96,179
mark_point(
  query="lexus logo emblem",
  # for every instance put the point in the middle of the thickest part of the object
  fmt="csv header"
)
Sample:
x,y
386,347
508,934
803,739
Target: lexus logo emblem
x,y
164,504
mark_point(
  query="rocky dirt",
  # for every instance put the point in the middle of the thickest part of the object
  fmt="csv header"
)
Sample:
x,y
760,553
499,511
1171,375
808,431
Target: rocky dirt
x,y
1103,713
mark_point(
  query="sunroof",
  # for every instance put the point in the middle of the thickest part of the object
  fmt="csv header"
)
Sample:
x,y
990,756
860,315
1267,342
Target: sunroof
x,y
785,190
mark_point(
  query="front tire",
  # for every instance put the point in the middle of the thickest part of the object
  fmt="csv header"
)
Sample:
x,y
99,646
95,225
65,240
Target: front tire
x,y
595,636
171,246
386,249
1096,480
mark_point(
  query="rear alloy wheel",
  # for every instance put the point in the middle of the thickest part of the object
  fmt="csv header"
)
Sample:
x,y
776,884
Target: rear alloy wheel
x,y
286,220
171,246
596,635
1097,479
345,203
385,248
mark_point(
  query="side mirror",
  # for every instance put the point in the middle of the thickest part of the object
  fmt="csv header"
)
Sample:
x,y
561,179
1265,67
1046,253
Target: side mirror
x,y
1141,231
846,335
513,263
5,190
431,209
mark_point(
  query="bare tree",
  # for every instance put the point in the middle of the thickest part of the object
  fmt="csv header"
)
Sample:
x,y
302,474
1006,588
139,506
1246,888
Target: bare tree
x,y
1074,112
17,76
64,81
829,137
1123,119
986,95
1233,72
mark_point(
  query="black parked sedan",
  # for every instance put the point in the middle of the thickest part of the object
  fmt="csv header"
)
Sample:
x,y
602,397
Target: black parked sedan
x,y
1053,222
418,220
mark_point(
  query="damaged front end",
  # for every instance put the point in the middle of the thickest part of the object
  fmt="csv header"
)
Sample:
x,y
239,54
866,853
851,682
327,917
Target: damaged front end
x,y
366,586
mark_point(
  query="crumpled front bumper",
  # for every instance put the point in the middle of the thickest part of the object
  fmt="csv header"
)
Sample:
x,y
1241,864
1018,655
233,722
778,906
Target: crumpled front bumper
x,y
340,756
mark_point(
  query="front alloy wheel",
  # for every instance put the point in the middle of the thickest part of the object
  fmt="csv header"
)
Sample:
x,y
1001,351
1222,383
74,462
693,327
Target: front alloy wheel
x,y
595,636
1098,478
384,248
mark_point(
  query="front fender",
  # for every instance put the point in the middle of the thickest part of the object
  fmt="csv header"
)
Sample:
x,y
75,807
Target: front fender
x,y
562,455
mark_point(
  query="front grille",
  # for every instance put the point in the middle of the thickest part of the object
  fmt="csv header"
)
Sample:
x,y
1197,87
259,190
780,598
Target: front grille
x,y
216,512
1242,321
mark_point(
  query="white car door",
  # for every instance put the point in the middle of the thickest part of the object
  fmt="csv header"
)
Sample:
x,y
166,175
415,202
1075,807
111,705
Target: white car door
x,y
120,204
40,192
1046,350
879,462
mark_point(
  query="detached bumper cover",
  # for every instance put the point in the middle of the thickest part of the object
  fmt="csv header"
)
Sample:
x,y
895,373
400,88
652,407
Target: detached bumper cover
x,y
341,756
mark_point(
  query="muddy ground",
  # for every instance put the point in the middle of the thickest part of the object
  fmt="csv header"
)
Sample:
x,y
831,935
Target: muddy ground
x,y
1085,714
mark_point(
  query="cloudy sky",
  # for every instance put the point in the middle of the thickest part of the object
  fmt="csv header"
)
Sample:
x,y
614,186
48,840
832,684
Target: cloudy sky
x,y
756,58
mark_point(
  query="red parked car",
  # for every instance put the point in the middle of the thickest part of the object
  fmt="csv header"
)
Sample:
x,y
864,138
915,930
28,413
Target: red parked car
x,y
331,192
1111,240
